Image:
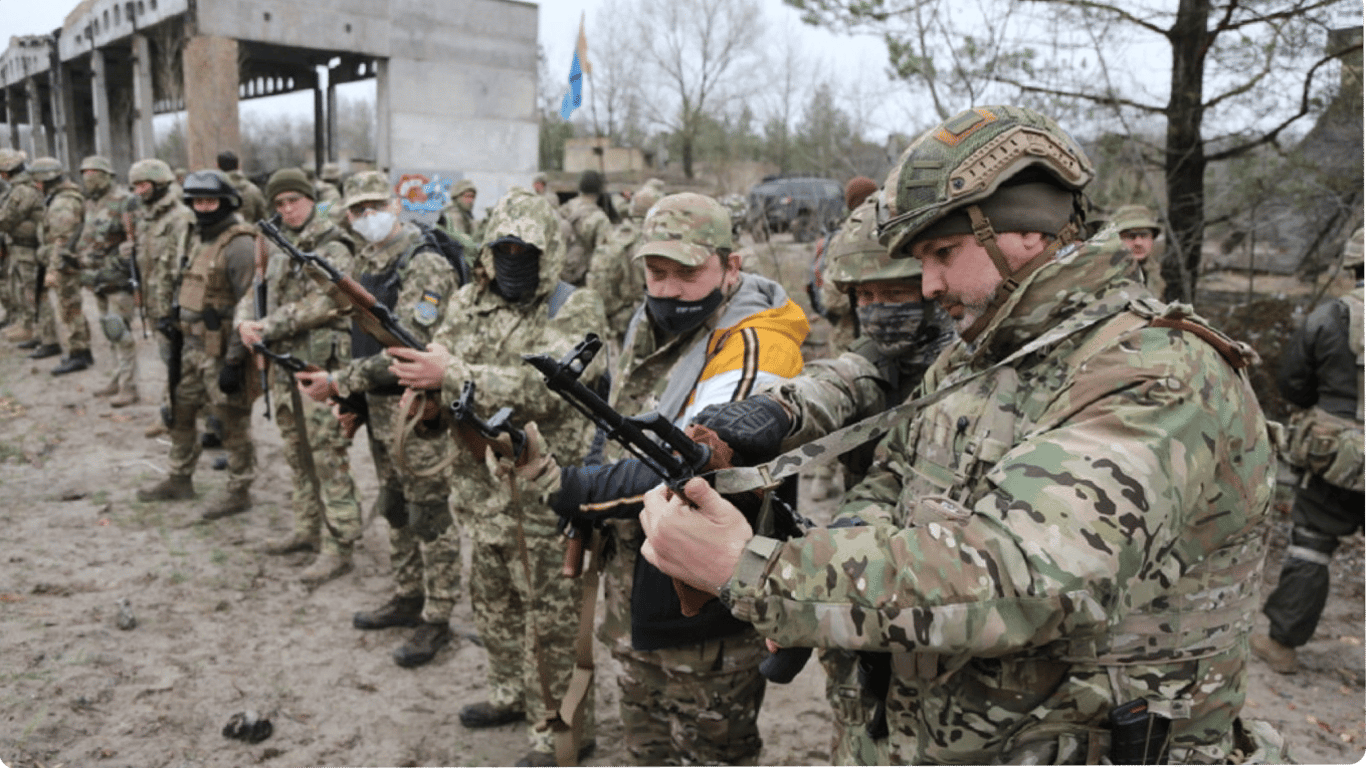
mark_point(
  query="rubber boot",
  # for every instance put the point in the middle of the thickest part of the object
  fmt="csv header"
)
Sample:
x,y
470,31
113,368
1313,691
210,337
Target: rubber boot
x,y
173,488
227,503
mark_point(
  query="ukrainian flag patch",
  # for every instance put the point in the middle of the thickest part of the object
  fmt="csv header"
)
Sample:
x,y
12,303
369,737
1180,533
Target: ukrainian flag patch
x,y
428,308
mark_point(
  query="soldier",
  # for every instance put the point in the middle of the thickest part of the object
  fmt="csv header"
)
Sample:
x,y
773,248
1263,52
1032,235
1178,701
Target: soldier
x,y
527,614
707,333
327,189
11,314
613,272
424,541
1319,372
21,214
457,217
1139,229
590,216
163,225
64,211
1072,526
215,276
306,320
109,276
538,185
254,206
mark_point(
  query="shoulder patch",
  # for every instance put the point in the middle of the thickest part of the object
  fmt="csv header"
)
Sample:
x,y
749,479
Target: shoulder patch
x,y
428,308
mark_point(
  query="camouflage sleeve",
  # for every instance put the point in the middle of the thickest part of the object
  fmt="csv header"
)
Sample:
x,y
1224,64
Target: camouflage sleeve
x,y
16,206
1077,516
319,307
61,227
608,272
169,248
829,394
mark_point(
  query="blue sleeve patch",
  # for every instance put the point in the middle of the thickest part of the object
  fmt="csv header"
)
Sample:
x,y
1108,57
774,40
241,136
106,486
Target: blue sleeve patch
x,y
428,308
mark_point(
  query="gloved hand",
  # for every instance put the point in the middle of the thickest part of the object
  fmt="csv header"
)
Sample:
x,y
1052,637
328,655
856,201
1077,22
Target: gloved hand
x,y
754,428
230,378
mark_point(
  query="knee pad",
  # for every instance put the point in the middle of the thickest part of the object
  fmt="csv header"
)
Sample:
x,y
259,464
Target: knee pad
x,y
114,328
390,504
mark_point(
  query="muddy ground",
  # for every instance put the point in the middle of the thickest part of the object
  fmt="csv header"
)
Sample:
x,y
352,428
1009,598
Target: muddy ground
x,y
221,628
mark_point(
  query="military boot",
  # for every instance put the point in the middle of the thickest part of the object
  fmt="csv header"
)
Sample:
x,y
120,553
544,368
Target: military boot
x,y
535,758
295,542
1281,658
45,350
173,488
227,503
78,360
20,334
486,715
400,611
328,566
30,344
423,645
127,396
157,429
112,388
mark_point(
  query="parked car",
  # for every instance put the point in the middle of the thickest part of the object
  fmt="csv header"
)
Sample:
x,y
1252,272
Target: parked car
x,y
802,205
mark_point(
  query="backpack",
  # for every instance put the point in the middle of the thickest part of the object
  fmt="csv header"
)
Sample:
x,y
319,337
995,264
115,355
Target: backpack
x,y
440,241
384,286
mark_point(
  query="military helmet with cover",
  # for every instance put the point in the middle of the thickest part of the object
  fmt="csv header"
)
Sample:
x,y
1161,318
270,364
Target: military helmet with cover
x,y
211,183
46,168
1352,249
687,228
969,159
855,255
97,163
12,160
151,169
644,199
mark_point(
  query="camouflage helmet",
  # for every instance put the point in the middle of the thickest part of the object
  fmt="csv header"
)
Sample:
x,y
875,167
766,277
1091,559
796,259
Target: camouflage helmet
x,y
210,183
331,172
967,159
854,254
643,200
152,170
367,186
46,168
1352,250
97,163
1135,217
463,186
687,228
12,160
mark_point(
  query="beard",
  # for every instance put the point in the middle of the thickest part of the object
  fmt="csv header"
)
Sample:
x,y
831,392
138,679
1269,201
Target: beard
x,y
966,309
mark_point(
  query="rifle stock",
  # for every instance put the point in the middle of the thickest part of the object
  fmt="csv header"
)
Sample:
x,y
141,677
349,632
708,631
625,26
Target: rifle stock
x,y
259,304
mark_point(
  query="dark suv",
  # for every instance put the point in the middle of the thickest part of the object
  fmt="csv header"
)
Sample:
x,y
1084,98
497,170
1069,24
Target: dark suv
x,y
802,205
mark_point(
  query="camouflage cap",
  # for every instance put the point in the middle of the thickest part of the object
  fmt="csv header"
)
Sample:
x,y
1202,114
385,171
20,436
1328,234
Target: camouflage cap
x,y
1135,217
289,180
366,186
330,172
151,169
463,186
46,168
10,159
97,163
1352,250
687,228
855,255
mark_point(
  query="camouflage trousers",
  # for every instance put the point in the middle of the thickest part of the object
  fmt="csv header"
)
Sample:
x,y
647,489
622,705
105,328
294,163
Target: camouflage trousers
x,y
854,709
23,281
6,294
324,499
424,542
67,299
198,393
116,311
693,705
528,617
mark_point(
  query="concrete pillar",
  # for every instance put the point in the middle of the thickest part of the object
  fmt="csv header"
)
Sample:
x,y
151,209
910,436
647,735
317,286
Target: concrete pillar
x,y
12,117
384,127
143,137
331,119
37,131
211,119
63,115
319,124
99,98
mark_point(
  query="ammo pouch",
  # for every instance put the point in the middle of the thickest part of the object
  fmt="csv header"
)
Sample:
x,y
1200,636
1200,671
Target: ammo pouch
x,y
1326,445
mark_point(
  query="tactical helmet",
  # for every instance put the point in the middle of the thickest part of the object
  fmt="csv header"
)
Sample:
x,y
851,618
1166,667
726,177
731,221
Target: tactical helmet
x,y
46,168
152,170
1136,217
1352,250
97,163
463,186
967,159
12,160
211,183
687,228
854,255
644,199
331,172
289,180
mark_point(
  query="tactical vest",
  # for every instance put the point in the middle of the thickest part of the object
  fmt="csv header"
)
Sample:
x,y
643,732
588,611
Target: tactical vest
x,y
25,233
206,296
69,191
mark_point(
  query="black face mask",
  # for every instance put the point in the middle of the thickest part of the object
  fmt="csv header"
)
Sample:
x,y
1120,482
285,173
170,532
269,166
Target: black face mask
x,y
208,221
904,328
676,316
158,191
516,269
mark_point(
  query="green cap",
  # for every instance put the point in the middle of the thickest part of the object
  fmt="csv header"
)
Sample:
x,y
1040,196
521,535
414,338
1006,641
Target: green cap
x,y
366,186
1136,217
289,180
97,163
687,228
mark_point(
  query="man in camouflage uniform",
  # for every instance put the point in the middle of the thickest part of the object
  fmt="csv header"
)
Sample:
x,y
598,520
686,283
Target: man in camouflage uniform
x,y
108,275
1139,228
526,612
538,185
215,276
21,214
707,333
63,214
254,206
613,272
457,217
590,217
1320,372
304,318
1075,522
11,314
327,187
424,541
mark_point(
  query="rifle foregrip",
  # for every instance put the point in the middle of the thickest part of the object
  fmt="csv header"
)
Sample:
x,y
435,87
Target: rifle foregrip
x,y
573,554
690,598
356,291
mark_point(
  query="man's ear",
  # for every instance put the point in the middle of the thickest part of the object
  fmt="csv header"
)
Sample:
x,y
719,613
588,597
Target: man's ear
x,y
733,262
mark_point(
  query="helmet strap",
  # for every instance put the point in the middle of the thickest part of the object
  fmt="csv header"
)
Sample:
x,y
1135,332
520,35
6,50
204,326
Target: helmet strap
x,y
1011,279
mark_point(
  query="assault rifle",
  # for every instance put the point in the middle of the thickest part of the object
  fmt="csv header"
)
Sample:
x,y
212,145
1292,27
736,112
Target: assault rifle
x,y
169,327
354,403
134,273
477,432
372,316
676,458
259,304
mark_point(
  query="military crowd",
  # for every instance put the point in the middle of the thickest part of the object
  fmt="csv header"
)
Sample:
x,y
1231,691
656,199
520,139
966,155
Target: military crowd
x,y
1055,485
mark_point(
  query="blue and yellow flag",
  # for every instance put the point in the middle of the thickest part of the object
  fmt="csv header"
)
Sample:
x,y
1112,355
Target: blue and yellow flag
x,y
577,69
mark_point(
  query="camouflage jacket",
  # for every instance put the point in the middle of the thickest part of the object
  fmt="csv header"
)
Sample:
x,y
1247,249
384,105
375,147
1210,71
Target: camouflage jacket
x,y
164,229
487,335
254,207
589,228
98,247
1074,528
21,213
614,274
426,283
305,316
62,218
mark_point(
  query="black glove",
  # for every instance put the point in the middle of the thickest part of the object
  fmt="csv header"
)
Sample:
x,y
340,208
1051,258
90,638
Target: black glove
x,y
230,378
617,487
166,325
754,428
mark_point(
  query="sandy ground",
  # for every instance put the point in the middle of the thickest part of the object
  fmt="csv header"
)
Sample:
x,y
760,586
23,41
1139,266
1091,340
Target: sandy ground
x,y
221,628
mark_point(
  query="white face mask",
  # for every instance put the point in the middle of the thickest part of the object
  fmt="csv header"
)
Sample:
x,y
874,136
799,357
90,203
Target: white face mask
x,y
375,226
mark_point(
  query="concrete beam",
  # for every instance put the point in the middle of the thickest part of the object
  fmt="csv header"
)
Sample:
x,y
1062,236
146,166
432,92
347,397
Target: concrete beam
x,y
99,101
37,132
210,66
144,139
